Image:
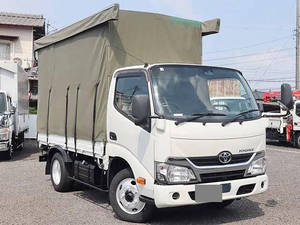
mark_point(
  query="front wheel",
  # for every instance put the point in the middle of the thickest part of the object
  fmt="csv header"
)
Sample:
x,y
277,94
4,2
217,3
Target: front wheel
x,y
297,140
125,201
8,154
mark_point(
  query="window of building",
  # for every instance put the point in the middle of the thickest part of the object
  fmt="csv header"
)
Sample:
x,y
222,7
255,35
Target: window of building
x,y
128,85
5,50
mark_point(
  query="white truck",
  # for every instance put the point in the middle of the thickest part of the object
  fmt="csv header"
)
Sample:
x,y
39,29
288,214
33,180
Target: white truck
x,y
13,107
148,133
284,117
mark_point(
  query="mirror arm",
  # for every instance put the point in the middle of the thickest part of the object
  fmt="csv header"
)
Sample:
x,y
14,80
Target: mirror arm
x,y
282,106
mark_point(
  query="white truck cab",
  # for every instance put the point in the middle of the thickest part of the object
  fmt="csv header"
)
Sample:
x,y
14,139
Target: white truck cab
x,y
7,122
284,123
13,108
187,144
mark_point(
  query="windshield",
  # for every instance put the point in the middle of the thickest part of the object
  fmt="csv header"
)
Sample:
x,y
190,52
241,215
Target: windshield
x,y
183,91
2,103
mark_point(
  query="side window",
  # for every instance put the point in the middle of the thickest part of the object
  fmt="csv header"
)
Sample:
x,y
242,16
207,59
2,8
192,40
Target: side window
x,y
128,85
9,103
298,109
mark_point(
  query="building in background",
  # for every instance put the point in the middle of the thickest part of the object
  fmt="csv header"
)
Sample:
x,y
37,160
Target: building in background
x,y
17,34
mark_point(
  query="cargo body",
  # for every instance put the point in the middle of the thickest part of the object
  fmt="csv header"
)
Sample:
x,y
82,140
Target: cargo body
x,y
14,106
126,107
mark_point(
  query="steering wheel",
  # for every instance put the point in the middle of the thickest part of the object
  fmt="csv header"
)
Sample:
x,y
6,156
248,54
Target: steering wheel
x,y
167,105
223,106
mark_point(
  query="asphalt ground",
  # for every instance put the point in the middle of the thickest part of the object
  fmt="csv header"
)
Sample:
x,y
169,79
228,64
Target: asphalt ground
x,y
27,197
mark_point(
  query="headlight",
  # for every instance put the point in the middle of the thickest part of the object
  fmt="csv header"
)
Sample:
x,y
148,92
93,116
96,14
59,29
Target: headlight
x,y
257,167
4,133
173,174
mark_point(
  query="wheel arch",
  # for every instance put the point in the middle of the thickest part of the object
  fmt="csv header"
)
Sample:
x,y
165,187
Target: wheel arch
x,y
51,152
116,164
138,169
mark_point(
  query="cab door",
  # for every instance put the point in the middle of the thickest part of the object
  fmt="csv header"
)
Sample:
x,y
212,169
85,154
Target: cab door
x,y
122,131
296,116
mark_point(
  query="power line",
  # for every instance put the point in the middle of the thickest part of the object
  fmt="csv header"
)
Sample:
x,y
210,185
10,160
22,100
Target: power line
x,y
257,28
253,61
250,46
274,78
271,81
246,55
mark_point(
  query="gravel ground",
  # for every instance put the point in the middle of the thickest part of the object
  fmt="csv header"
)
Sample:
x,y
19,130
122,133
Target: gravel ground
x,y
27,197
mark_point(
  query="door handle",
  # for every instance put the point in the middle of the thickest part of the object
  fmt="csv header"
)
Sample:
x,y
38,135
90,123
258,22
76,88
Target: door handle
x,y
112,136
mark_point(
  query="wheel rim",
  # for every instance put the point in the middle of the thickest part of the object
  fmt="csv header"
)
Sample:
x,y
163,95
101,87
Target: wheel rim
x,y
56,172
128,197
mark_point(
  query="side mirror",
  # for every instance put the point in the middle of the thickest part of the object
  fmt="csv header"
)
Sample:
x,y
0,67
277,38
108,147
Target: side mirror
x,y
13,110
287,96
140,108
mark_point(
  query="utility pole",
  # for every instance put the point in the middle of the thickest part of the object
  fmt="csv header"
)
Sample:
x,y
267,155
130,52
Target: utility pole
x,y
297,45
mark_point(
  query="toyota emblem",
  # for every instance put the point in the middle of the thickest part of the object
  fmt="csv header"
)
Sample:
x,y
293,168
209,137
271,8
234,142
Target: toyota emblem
x,y
225,157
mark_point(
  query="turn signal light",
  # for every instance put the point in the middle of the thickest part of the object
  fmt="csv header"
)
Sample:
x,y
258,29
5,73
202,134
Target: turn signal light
x,y
141,180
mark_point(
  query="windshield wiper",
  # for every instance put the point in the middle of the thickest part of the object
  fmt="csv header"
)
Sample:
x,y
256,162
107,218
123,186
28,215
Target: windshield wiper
x,y
197,116
238,116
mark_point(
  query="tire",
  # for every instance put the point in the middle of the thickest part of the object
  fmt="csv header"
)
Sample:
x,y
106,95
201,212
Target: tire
x,y
20,142
59,174
138,212
14,143
8,154
297,140
221,205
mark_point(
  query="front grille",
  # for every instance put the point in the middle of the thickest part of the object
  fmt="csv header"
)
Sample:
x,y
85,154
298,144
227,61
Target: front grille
x,y
222,176
214,160
246,189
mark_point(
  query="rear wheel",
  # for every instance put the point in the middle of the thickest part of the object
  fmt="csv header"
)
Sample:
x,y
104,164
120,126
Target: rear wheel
x,y
59,174
125,201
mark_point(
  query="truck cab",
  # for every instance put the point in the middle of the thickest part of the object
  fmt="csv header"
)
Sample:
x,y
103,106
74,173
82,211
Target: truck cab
x,y
179,142
283,116
7,121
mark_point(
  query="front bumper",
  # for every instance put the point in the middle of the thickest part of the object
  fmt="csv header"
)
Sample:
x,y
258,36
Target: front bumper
x,y
163,193
4,146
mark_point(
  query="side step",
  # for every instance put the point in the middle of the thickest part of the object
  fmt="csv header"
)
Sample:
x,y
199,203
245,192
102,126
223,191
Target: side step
x,y
89,185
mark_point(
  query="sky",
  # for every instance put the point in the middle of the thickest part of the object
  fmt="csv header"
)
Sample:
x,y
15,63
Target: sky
x,y
256,37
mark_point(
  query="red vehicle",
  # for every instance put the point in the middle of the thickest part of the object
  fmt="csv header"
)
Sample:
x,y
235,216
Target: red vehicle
x,y
272,96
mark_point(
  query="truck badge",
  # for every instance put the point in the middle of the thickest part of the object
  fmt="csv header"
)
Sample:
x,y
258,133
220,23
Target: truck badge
x,y
225,157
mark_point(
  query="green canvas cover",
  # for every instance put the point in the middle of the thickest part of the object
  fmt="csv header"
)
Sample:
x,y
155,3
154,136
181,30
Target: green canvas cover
x,y
76,64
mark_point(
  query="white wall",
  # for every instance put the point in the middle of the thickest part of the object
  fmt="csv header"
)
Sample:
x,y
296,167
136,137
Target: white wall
x,y
22,47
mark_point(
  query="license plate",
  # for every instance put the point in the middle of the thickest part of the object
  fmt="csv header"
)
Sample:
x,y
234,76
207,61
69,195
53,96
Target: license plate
x,y
208,193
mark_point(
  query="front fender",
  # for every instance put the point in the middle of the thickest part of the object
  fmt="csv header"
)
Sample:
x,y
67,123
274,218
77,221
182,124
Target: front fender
x,y
136,166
